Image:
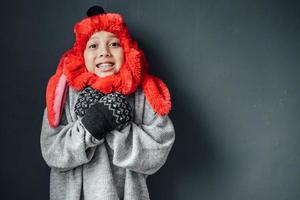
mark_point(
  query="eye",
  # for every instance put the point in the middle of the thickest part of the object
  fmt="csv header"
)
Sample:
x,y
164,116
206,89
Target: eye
x,y
114,44
92,46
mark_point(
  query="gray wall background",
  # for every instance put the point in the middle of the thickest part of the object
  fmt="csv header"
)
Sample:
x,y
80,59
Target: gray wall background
x,y
233,71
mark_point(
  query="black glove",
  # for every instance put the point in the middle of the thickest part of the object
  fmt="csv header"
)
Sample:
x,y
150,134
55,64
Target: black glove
x,y
86,99
110,113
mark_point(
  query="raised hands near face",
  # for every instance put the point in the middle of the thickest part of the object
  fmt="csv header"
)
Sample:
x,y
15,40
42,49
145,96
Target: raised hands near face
x,y
102,113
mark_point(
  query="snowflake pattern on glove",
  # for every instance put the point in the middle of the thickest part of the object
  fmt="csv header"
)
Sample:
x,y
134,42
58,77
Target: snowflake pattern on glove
x,y
86,99
120,108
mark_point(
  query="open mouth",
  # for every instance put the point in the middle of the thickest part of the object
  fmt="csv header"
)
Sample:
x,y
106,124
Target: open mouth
x,y
104,67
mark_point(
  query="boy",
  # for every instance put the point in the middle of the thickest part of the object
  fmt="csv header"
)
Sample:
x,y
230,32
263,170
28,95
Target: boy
x,y
105,128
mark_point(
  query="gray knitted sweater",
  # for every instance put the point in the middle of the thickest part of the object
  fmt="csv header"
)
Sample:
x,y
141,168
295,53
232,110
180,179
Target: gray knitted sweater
x,y
113,168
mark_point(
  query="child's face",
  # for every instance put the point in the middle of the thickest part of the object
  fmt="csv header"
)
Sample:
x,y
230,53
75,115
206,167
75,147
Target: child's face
x,y
103,54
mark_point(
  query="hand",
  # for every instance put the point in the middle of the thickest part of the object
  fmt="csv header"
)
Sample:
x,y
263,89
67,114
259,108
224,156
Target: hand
x,y
86,99
111,112
120,110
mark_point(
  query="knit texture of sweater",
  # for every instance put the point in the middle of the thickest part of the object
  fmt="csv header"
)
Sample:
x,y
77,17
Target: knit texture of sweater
x,y
113,168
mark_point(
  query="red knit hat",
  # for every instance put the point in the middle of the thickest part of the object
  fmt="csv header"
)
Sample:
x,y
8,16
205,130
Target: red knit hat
x,y
71,70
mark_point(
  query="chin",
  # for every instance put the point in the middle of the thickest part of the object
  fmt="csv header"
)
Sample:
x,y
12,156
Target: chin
x,y
102,75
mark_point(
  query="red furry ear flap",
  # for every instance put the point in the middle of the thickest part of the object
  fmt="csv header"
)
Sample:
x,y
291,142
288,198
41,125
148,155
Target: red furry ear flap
x,y
55,98
56,94
157,94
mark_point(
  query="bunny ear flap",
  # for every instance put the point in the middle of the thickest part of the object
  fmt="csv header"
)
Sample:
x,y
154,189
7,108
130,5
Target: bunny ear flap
x,y
55,98
157,94
56,93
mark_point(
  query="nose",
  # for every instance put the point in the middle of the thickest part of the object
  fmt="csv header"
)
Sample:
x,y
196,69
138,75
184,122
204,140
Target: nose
x,y
104,52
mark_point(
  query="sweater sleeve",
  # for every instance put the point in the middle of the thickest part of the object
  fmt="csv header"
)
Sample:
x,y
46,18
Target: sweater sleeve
x,y
68,145
144,145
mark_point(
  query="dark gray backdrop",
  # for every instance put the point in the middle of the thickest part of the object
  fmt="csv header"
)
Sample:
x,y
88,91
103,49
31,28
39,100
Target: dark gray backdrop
x,y
233,71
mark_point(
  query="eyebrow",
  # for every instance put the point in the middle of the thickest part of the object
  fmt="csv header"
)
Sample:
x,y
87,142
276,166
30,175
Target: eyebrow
x,y
110,36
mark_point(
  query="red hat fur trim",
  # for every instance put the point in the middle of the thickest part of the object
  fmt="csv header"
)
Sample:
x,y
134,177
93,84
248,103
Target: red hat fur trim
x,y
71,70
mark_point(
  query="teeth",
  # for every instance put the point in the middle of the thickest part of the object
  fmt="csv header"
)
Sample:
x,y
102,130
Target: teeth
x,y
104,65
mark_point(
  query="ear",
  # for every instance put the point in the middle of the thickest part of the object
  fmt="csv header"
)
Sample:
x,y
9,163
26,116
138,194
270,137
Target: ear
x,y
55,98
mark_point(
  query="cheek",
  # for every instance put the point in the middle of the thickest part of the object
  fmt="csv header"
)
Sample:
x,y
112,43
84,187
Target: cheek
x,y
88,61
120,57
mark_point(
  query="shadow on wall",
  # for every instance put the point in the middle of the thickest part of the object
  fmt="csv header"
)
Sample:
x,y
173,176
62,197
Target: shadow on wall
x,y
195,160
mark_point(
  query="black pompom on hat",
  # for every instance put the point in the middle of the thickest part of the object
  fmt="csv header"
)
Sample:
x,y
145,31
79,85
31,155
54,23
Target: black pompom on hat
x,y
95,10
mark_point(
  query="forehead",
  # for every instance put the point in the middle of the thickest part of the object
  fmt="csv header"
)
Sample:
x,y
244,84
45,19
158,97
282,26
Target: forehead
x,y
103,35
